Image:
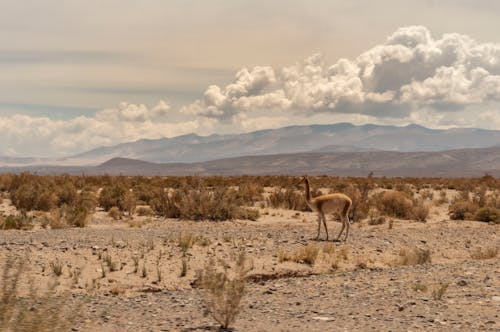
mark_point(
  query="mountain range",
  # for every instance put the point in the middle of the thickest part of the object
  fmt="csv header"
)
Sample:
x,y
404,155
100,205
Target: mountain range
x,y
340,149
340,137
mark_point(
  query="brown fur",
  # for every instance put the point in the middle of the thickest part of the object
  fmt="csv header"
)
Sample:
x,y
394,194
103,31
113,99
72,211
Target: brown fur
x,y
329,203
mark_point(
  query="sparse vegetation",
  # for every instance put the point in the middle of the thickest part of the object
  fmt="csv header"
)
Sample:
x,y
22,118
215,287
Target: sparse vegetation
x,y
484,253
439,290
222,293
33,311
414,256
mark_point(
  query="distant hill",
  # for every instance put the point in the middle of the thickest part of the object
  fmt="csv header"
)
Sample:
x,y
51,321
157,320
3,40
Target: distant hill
x,y
451,163
321,138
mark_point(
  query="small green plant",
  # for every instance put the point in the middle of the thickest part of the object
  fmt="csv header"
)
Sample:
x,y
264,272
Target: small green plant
x,y
136,263
439,290
184,268
112,265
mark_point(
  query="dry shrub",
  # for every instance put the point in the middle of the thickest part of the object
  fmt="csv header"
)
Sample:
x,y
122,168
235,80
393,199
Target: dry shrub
x,y
76,216
394,203
34,196
222,292
375,218
113,196
33,311
442,197
115,213
306,254
250,192
144,211
167,204
287,199
419,211
461,209
488,214
360,205
439,290
414,256
21,222
487,253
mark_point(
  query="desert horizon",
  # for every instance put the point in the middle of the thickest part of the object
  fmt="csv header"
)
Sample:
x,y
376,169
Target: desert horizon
x,y
249,166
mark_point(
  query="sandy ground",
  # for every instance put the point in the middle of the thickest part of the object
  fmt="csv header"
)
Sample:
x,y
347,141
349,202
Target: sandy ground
x,y
358,285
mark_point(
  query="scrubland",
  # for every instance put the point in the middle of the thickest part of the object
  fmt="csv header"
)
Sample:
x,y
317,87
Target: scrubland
x,y
88,253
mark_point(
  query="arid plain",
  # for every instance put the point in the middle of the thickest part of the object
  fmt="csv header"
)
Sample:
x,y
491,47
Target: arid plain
x,y
410,262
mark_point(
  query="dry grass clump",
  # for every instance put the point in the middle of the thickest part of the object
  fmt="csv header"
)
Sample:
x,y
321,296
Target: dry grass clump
x,y
115,213
439,290
306,254
22,222
144,211
376,219
223,292
486,253
488,214
419,211
186,241
31,311
414,256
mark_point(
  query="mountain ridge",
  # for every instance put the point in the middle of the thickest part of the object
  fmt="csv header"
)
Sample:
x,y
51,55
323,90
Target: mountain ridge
x,y
451,163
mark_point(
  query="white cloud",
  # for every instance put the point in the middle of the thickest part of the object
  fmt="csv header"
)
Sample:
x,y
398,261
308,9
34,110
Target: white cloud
x,y
411,78
407,73
42,136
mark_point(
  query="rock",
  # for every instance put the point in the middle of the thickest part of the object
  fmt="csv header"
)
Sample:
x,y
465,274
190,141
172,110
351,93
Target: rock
x,y
323,318
496,298
120,245
462,283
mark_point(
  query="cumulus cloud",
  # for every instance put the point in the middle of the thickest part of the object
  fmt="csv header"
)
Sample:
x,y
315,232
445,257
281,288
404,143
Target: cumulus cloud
x,y
413,77
410,71
42,136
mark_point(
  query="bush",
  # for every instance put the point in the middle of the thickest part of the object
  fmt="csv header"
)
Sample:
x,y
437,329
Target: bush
x,y
217,205
76,216
222,294
34,196
112,196
22,222
419,211
115,213
287,199
488,214
461,209
395,204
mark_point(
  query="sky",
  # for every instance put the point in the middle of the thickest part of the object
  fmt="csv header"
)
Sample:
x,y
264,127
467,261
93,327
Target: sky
x,y
76,75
